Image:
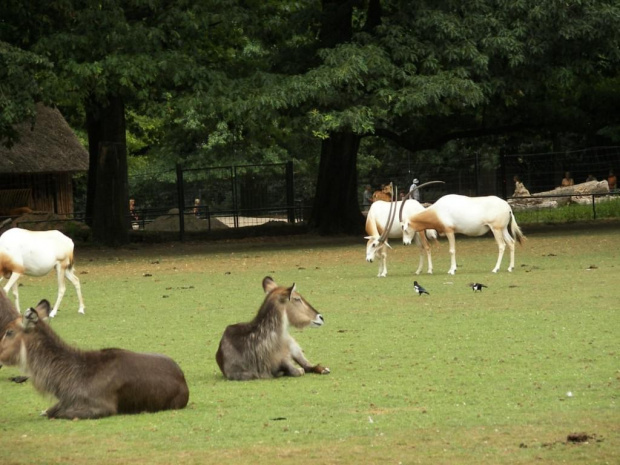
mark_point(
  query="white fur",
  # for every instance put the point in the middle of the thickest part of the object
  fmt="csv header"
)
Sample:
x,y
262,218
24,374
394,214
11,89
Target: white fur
x,y
472,216
36,253
376,221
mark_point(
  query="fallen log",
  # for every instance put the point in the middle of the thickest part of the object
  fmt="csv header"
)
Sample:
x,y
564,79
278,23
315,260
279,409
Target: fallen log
x,y
560,196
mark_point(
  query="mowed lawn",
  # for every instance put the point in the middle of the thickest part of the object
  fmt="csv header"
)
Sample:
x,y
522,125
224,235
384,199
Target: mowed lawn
x,y
499,376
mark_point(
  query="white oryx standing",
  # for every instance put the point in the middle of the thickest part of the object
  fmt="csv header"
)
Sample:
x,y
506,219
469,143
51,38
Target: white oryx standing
x,y
472,216
380,227
378,235
35,253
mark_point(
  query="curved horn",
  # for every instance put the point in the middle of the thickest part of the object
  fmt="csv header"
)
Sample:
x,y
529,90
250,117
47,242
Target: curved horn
x,y
408,196
391,215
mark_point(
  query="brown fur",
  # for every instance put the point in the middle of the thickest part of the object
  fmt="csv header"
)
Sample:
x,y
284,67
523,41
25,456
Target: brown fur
x,y
20,211
91,384
8,312
263,348
7,266
384,194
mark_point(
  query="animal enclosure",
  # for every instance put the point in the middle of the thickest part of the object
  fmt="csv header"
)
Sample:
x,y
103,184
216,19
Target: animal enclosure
x,y
501,376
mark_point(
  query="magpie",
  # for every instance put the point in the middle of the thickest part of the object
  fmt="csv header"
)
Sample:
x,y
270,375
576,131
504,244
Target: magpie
x,y
419,289
477,286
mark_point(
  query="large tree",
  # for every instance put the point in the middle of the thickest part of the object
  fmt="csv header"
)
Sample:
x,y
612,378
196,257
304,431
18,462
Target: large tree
x,y
417,73
262,77
107,56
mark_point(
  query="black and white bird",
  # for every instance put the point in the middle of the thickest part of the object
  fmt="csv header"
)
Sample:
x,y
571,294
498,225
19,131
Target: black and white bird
x,y
477,286
419,289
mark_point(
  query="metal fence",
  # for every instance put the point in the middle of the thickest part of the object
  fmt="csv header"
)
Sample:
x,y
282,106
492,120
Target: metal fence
x,y
493,174
218,197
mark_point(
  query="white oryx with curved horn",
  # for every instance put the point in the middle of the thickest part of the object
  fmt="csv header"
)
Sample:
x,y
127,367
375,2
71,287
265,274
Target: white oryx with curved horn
x,y
36,253
380,227
472,216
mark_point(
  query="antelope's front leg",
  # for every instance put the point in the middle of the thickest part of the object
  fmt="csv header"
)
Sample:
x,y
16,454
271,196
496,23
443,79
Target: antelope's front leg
x,y
298,355
288,368
382,263
452,244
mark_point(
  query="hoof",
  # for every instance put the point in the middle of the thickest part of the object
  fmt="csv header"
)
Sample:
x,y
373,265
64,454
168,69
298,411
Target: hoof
x,y
81,311
325,371
53,313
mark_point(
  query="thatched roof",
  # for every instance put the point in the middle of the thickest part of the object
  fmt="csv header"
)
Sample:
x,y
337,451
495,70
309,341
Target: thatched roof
x,y
50,147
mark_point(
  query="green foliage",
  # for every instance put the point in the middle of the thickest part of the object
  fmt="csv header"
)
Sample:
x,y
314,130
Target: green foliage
x,y
454,377
19,88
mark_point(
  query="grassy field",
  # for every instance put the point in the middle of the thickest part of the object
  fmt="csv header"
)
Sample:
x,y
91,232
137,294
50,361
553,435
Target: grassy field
x,y
457,377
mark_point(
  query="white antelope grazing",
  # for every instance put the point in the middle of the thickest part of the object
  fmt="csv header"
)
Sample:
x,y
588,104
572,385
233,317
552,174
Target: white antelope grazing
x,y
380,227
377,222
472,216
35,253
90,384
263,348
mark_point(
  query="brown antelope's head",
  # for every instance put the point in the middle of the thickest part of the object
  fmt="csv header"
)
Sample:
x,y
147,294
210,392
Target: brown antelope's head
x,y
291,304
12,344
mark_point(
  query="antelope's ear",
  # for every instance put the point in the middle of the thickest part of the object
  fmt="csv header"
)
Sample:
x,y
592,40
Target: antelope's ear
x,y
269,284
30,319
43,309
291,290
388,245
368,237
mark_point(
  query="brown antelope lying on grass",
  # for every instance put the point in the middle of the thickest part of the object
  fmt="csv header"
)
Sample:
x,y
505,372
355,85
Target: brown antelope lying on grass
x,y
35,253
90,384
8,312
263,348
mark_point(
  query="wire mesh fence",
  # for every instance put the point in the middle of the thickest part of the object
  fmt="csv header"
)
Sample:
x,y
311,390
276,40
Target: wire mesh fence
x,y
494,174
225,197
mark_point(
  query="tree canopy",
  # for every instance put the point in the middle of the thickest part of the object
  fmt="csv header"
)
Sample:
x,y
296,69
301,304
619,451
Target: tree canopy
x,y
254,80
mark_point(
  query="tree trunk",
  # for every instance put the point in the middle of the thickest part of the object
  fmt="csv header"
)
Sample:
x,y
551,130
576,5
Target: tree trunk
x,y
93,128
336,208
108,192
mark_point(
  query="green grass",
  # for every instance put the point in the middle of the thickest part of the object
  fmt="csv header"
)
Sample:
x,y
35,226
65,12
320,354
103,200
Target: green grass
x,y
571,213
454,377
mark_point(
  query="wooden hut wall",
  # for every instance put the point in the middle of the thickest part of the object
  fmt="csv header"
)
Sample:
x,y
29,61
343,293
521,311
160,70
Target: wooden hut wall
x,y
50,192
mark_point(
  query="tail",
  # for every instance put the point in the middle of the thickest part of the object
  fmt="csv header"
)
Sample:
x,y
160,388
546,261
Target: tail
x,y
515,230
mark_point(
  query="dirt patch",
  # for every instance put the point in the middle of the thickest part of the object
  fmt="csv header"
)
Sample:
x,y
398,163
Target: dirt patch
x,y
45,221
191,222
577,438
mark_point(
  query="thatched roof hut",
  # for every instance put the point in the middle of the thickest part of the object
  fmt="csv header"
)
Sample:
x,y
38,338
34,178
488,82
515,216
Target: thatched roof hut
x,y
37,171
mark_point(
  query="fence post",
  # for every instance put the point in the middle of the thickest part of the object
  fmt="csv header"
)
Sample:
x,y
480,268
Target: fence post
x,y
290,193
503,174
477,174
235,205
181,202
